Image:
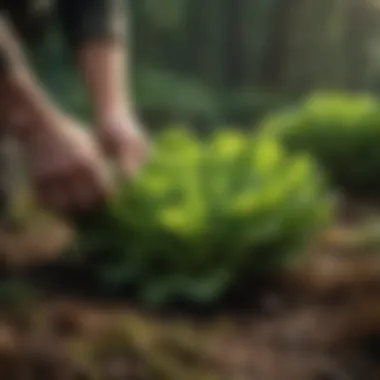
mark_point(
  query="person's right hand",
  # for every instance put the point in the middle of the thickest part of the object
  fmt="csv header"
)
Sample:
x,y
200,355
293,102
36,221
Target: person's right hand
x,y
68,171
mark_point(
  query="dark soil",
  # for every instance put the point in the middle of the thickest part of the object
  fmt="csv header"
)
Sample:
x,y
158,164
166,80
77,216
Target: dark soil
x,y
320,322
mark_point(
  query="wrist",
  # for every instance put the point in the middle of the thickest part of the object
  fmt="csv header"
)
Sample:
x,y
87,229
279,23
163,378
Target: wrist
x,y
114,114
28,110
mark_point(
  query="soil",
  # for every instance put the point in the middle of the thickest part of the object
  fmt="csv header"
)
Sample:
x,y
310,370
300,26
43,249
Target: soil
x,y
320,322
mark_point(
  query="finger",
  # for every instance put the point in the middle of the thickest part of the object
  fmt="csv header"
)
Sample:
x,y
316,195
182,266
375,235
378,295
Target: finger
x,y
127,164
52,195
92,185
131,161
58,191
89,190
90,195
109,145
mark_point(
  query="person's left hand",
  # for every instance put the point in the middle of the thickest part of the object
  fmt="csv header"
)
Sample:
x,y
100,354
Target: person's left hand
x,y
123,140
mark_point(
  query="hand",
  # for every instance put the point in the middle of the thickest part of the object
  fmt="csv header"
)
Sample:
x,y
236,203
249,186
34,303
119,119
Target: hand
x,y
67,168
123,140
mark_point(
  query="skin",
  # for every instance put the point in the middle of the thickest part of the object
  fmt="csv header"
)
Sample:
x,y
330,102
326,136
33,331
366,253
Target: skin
x,y
67,164
118,129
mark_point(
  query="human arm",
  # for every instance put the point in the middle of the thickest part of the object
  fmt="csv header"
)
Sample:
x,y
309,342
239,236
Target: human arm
x,y
96,33
25,108
65,166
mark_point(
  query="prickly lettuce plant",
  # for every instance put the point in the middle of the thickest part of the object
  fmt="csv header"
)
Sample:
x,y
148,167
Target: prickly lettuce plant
x,y
206,215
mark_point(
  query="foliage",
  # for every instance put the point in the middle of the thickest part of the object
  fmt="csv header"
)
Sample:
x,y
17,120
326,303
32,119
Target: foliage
x,y
164,97
205,216
342,132
249,106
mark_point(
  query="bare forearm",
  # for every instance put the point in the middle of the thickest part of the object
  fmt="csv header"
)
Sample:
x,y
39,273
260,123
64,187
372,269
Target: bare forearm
x,y
24,106
96,32
103,66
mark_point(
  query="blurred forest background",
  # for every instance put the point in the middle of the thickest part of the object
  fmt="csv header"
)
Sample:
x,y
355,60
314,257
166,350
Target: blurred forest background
x,y
222,61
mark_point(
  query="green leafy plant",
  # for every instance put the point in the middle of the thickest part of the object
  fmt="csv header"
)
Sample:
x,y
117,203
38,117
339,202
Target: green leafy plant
x,y
342,132
205,216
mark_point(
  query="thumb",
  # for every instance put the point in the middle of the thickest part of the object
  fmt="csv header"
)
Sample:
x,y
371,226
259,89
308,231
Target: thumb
x,y
129,162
